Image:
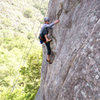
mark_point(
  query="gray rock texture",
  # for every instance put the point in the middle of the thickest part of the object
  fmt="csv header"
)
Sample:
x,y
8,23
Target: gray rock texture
x,y
75,71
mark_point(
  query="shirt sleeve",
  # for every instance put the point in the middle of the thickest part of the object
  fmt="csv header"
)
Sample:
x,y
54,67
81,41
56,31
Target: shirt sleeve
x,y
49,25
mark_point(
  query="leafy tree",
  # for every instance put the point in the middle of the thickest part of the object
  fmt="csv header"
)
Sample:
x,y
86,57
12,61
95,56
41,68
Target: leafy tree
x,y
31,74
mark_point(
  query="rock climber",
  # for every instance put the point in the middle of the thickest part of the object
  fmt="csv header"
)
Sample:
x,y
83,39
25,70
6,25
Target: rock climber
x,y
44,36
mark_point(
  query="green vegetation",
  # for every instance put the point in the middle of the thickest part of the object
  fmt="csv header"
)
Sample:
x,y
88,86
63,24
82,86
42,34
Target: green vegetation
x,y
31,74
28,13
20,50
42,8
6,22
13,54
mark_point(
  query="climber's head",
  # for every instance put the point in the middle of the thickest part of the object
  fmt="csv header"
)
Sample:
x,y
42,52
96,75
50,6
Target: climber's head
x,y
46,20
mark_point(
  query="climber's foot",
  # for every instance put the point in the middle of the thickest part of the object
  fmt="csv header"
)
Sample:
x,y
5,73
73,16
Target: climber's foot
x,y
49,61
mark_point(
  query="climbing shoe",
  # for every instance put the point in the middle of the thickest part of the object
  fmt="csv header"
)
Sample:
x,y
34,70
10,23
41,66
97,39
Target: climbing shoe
x,y
49,61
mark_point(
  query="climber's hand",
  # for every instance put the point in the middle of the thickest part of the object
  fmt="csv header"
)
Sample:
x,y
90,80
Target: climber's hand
x,y
57,21
48,40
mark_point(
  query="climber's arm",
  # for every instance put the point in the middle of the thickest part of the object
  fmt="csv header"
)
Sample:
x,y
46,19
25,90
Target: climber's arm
x,y
52,24
45,33
46,37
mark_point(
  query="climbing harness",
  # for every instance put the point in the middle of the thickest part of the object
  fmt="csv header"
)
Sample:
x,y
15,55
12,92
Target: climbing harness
x,y
42,40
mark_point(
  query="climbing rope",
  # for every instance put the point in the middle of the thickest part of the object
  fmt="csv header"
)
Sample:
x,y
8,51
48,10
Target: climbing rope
x,y
13,87
24,62
22,65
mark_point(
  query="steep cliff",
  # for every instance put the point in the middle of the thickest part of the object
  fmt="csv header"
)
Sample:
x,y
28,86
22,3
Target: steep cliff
x,y
75,71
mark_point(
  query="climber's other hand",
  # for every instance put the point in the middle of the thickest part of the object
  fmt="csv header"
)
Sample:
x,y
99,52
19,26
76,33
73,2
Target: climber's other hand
x,y
48,40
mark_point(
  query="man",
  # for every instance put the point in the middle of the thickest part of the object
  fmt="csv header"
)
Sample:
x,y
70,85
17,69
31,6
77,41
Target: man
x,y
44,36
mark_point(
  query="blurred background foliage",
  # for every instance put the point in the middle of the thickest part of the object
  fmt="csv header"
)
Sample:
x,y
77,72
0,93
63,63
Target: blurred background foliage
x,y
20,50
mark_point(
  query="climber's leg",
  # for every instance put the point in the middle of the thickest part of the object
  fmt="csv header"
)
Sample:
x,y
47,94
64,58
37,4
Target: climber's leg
x,y
48,51
48,57
48,48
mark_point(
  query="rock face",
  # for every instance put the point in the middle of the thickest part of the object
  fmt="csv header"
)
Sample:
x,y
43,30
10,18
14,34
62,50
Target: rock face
x,y
75,71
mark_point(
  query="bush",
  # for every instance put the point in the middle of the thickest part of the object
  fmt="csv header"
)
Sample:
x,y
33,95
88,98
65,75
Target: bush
x,y
7,22
31,74
28,13
18,94
30,35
